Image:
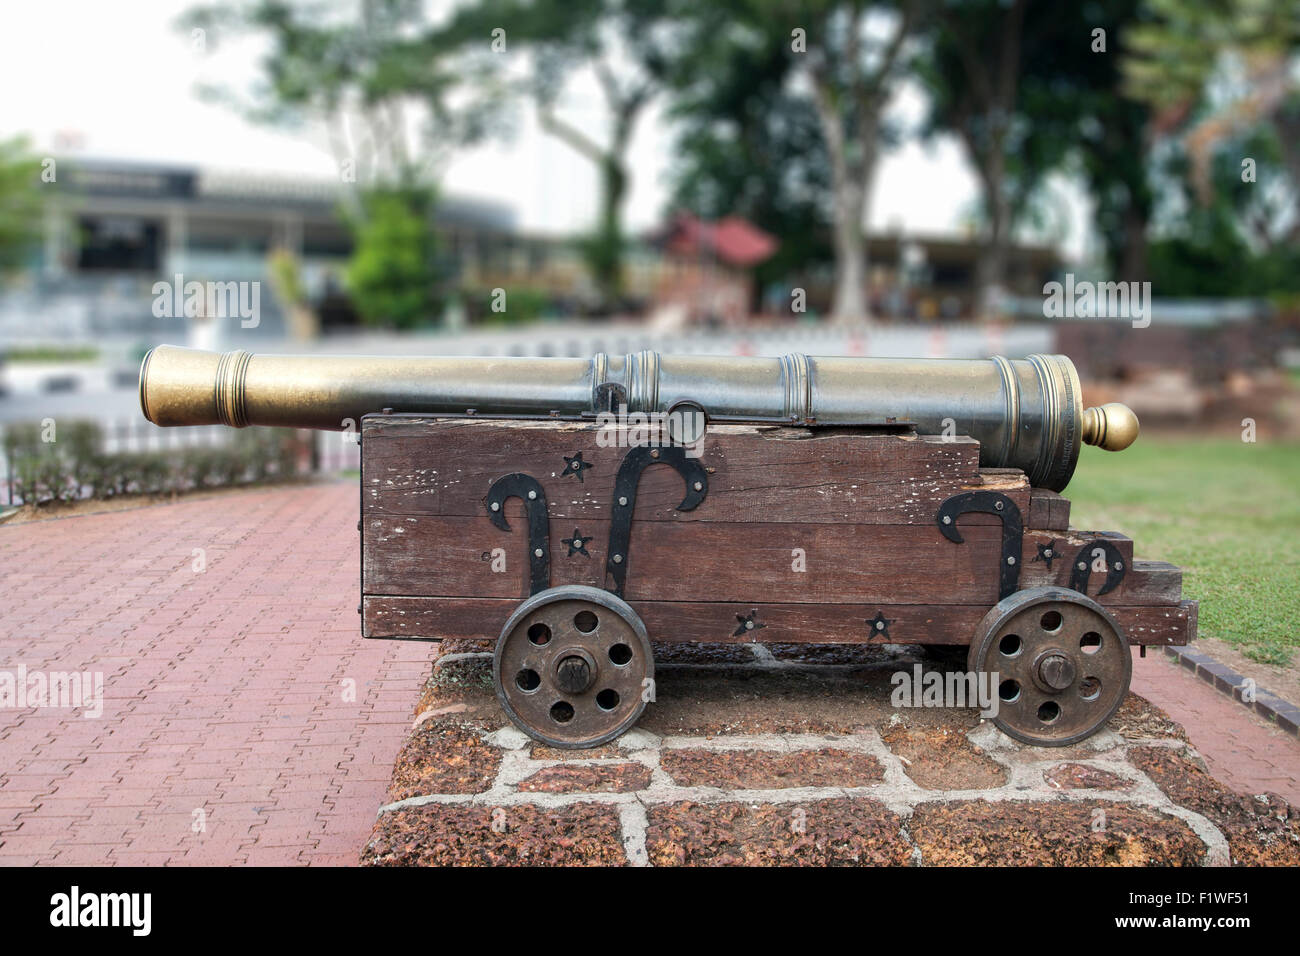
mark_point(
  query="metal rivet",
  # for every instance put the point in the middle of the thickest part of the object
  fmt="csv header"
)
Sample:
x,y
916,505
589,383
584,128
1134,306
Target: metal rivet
x,y
654,452
947,519
532,496
622,501
537,552
997,505
699,486
880,625
749,625
1119,565
1047,553
496,506
618,559
1010,559
1081,566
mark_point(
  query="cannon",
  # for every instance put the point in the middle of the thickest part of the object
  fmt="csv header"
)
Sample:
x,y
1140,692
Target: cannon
x,y
806,500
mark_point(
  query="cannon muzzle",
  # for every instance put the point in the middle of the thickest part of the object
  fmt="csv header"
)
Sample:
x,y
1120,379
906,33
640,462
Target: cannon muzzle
x,y
1026,413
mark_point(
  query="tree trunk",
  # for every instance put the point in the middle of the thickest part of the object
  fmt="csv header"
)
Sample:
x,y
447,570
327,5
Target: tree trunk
x,y
850,301
607,256
991,266
1133,255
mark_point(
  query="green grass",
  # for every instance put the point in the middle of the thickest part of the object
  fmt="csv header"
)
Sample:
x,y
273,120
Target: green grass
x,y
51,353
1227,512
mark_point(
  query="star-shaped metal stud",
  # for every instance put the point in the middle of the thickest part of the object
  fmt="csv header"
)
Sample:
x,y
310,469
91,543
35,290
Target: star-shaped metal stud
x,y
575,465
879,624
1048,553
748,622
577,544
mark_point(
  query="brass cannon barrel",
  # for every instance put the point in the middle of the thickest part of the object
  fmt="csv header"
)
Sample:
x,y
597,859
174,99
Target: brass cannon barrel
x,y
1026,413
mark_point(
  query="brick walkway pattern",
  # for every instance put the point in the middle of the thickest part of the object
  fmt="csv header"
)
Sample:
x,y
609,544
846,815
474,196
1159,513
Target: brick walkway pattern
x,y
245,719
1240,748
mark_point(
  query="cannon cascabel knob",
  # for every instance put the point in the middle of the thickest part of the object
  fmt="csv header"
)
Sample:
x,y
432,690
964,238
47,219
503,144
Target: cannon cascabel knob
x,y
1112,426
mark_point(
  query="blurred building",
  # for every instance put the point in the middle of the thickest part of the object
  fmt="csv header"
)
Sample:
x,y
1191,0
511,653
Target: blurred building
x,y
113,228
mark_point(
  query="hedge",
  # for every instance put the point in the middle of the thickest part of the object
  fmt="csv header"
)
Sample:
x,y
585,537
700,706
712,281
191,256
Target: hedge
x,y
74,466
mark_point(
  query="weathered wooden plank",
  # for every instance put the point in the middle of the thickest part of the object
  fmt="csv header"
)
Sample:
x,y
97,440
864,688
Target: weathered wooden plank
x,y
421,554
699,561
416,465
1048,511
670,622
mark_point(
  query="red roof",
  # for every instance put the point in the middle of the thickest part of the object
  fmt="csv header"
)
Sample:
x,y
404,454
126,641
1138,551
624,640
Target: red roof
x,y
734,240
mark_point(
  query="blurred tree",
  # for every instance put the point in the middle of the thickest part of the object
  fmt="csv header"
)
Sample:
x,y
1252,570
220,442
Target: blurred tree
x,y
1228,243
625,44
1248,49
1083,87
392,272
746,144
20,203
749,75
973,71
393,100
853,63
1030,88
1224,78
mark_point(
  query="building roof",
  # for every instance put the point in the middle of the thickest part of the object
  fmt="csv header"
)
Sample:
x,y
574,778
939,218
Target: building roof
x,y
733,240
214,188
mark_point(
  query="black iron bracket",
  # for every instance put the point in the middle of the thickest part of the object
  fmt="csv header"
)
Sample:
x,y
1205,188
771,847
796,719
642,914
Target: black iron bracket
x,y
527,488
634,463
999,505
1081,570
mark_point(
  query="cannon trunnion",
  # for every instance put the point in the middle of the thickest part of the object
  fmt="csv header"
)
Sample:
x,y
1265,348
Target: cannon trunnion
x,y
578,545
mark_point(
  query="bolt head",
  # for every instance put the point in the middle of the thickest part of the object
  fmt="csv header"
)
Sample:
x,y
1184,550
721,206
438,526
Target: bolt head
x,y
1010,559
622,500
947,519
618,559
496,506
537,552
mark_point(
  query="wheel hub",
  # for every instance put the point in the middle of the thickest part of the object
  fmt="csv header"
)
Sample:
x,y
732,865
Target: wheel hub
x,y
573,674
1055,671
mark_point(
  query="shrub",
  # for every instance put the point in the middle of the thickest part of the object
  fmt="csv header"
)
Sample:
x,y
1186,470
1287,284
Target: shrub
x,y
75,466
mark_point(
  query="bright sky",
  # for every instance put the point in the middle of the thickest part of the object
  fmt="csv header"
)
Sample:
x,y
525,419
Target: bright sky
x,y
118,79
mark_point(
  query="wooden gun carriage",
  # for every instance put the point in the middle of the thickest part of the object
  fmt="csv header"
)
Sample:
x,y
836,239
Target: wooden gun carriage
x,y
831,500
579,544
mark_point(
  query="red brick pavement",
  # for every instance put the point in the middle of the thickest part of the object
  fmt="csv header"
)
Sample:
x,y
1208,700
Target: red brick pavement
x,y
1241,748
225,690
